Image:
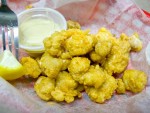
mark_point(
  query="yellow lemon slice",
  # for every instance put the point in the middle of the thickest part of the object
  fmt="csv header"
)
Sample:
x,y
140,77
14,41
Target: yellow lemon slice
x,y
10,68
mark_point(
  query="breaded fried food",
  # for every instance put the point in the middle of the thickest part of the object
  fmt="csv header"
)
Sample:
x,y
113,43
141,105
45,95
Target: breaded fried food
x,y
78,66
65,89
104,42
95,57
73,25
103,48
120,87
65,64
80,43
104,34
95,77
104,92
134,80
118,58
53,44
50,66
75,60
31,67
44,86
68,43
135,42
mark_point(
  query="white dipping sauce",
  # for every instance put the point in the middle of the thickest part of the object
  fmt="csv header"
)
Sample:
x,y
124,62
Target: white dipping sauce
x,y
33,31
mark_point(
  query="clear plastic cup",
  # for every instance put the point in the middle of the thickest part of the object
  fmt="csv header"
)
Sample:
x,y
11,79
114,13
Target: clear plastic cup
x,y
45,13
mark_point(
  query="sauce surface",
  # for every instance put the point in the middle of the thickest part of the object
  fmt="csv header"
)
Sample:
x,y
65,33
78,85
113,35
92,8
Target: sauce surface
x,y
33,31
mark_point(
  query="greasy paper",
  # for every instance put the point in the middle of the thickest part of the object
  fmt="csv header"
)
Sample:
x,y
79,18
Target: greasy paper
x,y
119,17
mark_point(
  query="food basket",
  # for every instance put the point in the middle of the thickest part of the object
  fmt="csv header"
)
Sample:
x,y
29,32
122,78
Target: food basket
x,y
118,16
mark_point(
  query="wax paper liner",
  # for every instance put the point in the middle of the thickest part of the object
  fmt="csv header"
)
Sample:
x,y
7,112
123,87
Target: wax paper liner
x,y
116,15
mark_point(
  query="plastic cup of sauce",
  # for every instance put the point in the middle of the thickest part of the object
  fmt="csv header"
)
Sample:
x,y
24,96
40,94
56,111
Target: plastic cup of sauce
x,y
35,25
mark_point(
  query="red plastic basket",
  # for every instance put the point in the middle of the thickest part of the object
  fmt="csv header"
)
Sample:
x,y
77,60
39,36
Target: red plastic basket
x,y
147,13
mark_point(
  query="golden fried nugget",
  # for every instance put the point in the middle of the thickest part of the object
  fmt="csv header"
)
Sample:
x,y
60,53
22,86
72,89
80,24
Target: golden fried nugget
x,y
118,58
134,80
31,67
50,66
65,82
104,92
65,64
78,66
80,43
95,77
58,95
44,86
135,42
104,34
65,89
95,57
103,48
53,44
71,42
73,25
104,42
121,87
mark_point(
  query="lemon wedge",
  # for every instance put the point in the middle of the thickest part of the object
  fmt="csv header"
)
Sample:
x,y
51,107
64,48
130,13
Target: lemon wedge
x,y
10,68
